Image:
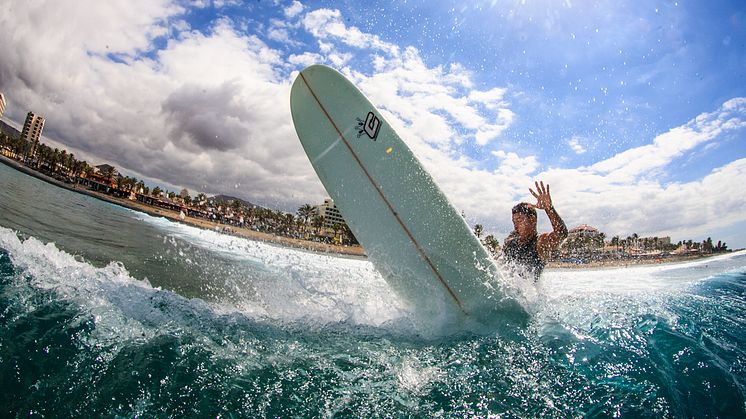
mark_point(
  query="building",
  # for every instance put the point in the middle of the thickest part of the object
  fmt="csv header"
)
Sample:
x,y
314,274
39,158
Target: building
x,y
331,214
32,131
106,171
584,238
2,104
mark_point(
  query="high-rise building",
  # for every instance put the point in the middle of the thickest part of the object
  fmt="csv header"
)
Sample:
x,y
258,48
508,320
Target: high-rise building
x,y
330,213
32,131
2,104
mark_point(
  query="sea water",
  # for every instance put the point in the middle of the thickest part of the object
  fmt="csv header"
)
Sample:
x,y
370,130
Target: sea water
x,y
105,311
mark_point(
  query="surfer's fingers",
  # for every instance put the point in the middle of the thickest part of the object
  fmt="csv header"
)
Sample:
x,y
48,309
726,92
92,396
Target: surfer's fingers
x,y
547,189
533,193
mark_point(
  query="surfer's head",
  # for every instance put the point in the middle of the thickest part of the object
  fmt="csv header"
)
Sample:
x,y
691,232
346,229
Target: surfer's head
x,y
524,219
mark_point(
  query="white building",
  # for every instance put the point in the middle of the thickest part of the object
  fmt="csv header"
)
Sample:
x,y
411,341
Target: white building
x,y
2,104
584,238
331,214
32,130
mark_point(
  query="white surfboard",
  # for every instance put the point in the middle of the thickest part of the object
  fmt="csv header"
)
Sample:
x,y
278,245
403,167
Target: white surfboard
x,y
411,233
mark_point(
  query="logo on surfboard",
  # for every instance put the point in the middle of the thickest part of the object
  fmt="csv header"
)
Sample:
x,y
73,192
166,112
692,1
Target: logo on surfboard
x,y
370,126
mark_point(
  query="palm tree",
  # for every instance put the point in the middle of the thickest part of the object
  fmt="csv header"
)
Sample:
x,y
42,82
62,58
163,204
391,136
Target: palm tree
x,y
478,230
63,160
70,163
491,243
318,222
108,173
306,211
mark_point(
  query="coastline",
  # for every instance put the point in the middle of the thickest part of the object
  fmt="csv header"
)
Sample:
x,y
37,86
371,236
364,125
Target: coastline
x,y
352,251
348,251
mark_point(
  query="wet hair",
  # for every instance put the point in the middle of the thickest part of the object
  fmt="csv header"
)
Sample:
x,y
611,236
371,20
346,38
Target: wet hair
x,y
525,209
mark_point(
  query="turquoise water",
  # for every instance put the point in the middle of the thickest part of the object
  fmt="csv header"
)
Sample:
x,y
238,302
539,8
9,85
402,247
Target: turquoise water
x,y
105,311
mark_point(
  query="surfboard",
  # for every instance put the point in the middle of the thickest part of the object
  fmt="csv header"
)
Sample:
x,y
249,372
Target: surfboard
x,y
413,236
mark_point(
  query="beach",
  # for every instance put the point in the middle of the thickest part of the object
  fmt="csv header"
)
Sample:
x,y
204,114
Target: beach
x,y
355,251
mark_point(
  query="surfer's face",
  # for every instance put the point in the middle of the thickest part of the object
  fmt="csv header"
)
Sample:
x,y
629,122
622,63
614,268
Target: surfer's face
x,y
524,224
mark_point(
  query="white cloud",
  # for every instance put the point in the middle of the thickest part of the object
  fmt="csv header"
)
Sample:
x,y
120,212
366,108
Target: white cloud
x,y
624,193
493,99
326,24
511,164
294,9
224,3
575,145
706,127
279,34
206,113
305,59
210,111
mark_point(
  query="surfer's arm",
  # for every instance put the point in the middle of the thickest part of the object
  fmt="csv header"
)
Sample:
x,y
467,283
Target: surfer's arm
x,y
551,241
548,241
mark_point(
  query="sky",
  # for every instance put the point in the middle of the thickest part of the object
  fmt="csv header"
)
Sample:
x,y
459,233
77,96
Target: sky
x,y
634,112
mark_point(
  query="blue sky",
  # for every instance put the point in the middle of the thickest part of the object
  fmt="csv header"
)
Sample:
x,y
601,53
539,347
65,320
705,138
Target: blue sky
x,y
635,113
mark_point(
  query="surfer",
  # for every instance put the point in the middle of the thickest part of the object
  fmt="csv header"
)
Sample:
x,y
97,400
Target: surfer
x,y
524,246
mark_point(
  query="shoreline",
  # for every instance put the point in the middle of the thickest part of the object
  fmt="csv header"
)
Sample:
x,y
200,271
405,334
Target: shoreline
x,y
349,251
356,252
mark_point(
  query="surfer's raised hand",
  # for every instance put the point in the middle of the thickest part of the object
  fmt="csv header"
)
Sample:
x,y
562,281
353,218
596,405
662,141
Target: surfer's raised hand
x,y
543,199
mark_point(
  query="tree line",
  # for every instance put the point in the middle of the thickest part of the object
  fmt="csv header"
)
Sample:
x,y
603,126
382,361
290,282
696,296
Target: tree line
x,y
305,224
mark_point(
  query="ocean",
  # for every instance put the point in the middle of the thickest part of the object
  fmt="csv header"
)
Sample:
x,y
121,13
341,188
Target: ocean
x,y
105,311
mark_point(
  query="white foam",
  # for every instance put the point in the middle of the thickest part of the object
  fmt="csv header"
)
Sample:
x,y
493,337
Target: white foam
x,y
291,285
581,301
298,286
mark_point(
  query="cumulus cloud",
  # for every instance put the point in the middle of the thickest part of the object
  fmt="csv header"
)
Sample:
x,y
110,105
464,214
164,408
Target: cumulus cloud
x,y
327,24
209,111
202,120
674,143
624,192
